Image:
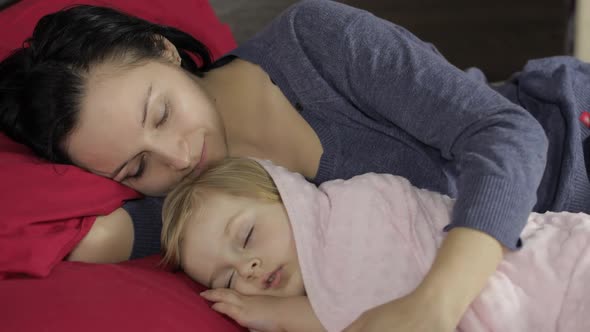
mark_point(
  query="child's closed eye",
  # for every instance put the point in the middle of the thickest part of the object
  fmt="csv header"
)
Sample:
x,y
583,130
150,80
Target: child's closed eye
x,y
246,240
248,236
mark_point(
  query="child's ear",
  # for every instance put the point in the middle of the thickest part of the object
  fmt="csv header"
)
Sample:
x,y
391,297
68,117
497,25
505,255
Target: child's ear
x,y
171,52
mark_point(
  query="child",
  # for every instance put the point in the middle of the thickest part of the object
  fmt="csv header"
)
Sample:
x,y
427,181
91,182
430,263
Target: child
x,y
273,238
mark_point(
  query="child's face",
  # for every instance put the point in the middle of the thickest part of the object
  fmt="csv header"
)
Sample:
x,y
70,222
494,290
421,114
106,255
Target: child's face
x,y
242,243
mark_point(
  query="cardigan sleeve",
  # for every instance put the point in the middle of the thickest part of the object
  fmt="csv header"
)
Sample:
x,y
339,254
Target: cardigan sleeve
x,y
497,148
146,215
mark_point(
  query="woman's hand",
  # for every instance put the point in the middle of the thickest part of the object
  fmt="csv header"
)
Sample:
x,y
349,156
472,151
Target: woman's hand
x,y
255,312
409,313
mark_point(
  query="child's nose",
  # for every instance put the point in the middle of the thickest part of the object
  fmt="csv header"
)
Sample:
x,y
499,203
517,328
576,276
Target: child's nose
x,y
249,268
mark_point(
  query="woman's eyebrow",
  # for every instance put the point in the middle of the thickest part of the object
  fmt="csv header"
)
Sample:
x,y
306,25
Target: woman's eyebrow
x,y
143,119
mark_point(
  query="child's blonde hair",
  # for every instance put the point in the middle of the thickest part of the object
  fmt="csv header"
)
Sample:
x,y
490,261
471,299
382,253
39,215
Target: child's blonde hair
x,y
234,176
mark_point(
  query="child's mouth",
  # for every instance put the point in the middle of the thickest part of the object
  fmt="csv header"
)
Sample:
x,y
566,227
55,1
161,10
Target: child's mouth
x,y
273,279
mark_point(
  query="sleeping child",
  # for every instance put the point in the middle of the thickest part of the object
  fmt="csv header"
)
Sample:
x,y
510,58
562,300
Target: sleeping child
x,y
281,254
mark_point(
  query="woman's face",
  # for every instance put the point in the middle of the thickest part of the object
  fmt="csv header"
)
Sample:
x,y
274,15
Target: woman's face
x,y
242,243
146,126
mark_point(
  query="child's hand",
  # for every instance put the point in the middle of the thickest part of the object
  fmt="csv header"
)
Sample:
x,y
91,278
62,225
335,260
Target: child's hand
x,y
255,312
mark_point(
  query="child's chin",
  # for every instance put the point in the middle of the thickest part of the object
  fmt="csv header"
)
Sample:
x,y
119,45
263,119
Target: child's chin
x,y
293,290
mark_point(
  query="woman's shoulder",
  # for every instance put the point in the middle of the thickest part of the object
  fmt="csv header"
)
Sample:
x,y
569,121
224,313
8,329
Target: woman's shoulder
x,y
310,31
310,18
310,9
323,27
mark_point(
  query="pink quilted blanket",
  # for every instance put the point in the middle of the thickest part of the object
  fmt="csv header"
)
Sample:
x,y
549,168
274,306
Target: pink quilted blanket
x,y
371,239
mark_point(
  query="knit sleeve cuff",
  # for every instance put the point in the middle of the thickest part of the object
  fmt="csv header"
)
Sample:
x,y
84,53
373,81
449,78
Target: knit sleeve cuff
x,y
146,215
501,210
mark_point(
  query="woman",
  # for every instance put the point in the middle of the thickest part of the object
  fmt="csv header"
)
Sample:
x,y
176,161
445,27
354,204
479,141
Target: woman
x,y
327,91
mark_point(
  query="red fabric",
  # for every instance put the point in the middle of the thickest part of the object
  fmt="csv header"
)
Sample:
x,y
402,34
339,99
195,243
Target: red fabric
x,y
45,209
128,297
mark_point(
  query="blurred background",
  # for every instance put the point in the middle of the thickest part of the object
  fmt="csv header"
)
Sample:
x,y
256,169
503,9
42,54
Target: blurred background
x,y
497,36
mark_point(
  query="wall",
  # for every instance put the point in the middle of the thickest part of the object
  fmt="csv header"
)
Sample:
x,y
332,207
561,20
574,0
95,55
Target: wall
x,y
497,35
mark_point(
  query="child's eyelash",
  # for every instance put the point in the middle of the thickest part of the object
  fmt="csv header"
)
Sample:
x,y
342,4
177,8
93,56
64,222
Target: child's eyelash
x,y
248,236
231,277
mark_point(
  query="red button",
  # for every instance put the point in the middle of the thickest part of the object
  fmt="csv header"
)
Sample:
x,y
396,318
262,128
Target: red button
x,y
585,118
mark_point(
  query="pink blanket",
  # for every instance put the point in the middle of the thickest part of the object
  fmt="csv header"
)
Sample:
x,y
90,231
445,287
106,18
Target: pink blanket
x,y
371,239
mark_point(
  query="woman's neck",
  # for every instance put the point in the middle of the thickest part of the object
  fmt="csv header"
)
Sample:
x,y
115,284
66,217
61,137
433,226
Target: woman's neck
x,y
236,91
259,120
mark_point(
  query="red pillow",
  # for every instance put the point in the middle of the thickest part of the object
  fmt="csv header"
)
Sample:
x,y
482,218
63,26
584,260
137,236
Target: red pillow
x,y
47,209
127,297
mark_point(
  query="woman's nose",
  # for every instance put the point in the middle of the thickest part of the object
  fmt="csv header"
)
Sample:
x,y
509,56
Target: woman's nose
x,y
177,155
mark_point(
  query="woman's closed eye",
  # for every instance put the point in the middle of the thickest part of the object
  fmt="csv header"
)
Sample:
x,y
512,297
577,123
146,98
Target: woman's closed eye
x,y
165,114
140,169
246,240
143,161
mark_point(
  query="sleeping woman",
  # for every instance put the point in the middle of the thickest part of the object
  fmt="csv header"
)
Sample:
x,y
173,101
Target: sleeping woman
x,y
281,254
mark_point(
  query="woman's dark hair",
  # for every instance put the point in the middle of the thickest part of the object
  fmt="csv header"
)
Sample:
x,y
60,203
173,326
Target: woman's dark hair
x,y
41,83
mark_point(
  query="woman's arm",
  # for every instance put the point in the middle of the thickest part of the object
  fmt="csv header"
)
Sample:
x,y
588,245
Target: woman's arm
x,y
476,255
462,267
494,150
110,240
133,231
497,150
298,316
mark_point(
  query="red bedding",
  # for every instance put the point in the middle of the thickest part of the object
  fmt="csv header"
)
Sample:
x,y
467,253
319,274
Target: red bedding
x,y
128,297
46,208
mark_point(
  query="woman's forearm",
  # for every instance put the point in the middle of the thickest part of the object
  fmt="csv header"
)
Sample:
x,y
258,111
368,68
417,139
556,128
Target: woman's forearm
x,y
463,265
297,316
110,240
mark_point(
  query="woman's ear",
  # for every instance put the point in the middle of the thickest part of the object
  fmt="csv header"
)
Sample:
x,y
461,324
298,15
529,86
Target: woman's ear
x,y
170,52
